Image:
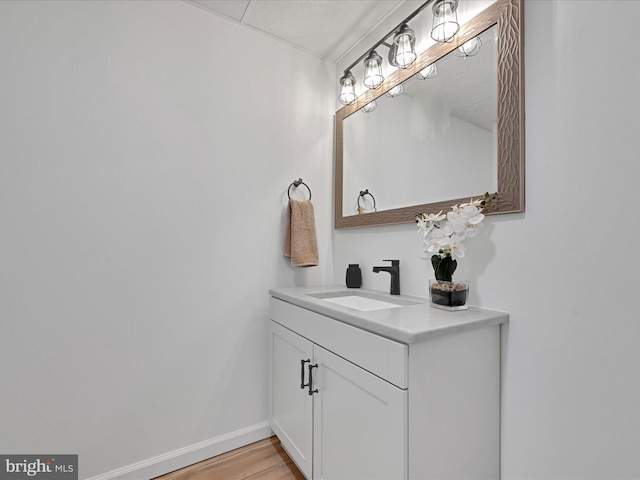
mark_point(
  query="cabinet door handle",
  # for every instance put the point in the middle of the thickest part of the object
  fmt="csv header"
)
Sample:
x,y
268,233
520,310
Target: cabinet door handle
x,y
311,367
302,384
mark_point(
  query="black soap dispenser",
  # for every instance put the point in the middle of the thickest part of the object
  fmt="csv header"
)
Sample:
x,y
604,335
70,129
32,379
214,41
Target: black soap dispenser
x,y
354,276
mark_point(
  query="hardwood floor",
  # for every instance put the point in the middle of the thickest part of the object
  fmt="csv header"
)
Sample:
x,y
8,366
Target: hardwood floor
x,y
263,460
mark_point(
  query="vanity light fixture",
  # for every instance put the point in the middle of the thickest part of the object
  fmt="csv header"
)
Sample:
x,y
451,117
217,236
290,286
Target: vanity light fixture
x,y
402,49
373,71
348,92
429,72
445,20
370,107
469,48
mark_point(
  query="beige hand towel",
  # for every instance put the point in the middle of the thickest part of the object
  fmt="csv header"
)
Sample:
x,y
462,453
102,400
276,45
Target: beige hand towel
x,y
300,238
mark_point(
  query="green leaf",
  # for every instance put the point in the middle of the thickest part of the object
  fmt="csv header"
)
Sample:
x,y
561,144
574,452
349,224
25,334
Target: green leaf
x,y
435,261
445,269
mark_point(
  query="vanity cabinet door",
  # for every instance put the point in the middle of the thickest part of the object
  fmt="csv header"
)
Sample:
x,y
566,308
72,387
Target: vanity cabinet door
x,y
290,406
360,423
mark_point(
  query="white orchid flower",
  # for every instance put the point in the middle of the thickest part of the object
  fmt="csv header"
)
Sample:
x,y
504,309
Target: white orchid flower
x,y
472,214
464,214
426,222
470,227
449,229
475,203
434,241
435,217
456,211
462,222
456,248
425,229
422,224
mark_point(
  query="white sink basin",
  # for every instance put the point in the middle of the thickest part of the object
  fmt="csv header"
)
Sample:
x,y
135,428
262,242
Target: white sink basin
x,y
363,304
362,301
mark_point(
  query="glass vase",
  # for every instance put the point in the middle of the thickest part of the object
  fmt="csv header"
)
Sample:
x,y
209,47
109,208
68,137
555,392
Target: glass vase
x,y
449,295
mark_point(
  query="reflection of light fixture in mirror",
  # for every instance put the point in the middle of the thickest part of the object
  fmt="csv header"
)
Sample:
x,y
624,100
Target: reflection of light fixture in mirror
x,y
403,50
469,48
370,107
427,73
395,91
445,20
373,70
348,92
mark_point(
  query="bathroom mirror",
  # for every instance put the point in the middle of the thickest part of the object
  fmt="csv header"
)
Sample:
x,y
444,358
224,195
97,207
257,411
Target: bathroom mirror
x,y
421,163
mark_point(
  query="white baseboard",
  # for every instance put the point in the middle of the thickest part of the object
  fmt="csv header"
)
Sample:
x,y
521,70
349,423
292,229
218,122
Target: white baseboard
x,y
183,457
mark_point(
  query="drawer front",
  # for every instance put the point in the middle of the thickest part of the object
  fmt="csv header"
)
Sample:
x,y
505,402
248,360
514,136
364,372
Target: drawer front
x,y
382,357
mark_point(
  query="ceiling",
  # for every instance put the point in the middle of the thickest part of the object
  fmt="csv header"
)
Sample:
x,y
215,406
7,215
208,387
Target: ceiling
x,y
326,28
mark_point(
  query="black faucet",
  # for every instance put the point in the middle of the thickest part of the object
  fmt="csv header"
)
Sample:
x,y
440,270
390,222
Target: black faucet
x,y
394,270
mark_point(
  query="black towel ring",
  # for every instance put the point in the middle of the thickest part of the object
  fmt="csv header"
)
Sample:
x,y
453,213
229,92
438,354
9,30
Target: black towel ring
x,y
296,184
367,192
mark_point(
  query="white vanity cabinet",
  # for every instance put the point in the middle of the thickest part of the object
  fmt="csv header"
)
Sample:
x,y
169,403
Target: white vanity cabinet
x,y
412,403
333,417
291,408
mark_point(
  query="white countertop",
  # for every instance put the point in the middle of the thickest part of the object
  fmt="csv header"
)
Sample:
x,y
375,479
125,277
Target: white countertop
x,y
413,323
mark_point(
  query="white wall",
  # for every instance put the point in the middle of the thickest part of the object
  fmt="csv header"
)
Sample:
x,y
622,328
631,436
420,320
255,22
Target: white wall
x,y
566,269
145,152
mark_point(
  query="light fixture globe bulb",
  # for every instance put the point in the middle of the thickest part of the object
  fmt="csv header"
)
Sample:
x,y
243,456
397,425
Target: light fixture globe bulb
x,y
348,92
373,71
404,47
445,20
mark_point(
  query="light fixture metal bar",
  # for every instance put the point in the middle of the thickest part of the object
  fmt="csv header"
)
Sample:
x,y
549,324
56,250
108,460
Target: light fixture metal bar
x,y
382,40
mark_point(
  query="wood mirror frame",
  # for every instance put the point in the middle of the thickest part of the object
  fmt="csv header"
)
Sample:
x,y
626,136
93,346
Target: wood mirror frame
x,y
508,16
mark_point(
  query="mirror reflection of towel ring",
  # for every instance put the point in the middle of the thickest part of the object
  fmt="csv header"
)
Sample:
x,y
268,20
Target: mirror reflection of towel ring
x,y
296,184
362,194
